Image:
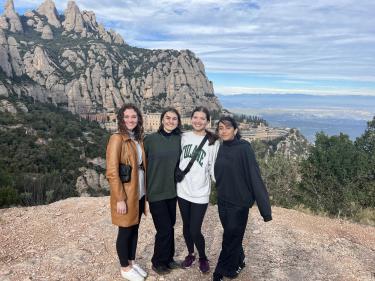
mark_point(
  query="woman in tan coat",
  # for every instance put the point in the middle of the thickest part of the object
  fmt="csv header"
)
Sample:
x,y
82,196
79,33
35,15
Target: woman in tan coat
x,y
128,198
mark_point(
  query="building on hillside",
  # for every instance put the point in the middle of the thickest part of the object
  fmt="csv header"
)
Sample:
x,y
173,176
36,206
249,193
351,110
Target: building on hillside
x,y
263,132
151,121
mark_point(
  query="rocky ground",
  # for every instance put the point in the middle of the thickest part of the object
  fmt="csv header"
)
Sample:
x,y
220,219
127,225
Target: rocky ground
x,y
74,240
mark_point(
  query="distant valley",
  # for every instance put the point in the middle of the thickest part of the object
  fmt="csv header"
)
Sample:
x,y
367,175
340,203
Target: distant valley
x,y
308,113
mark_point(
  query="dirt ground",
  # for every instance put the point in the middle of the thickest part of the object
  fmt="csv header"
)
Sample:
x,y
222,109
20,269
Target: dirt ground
x,y
74,239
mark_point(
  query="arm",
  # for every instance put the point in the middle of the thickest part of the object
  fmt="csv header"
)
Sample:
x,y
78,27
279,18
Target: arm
x,y
211,161
257,185
113,156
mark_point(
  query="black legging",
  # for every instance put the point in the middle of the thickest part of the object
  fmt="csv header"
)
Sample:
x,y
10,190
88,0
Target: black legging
x,y
192,217
127,238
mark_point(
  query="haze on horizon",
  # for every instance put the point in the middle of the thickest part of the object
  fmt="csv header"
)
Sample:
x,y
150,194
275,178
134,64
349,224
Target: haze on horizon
x,y
293,46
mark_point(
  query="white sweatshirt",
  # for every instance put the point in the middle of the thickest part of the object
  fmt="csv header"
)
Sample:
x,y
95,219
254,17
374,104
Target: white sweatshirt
x,y
196,185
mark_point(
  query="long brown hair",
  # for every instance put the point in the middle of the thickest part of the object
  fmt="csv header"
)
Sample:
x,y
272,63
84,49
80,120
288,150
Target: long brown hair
x,y
138,130
212,137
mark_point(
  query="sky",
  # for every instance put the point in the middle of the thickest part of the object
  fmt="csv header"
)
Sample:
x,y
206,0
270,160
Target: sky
x,y
322,47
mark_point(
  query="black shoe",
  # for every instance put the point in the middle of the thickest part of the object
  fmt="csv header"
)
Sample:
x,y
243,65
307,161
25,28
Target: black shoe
x,y
241,266
161,269
217,277
173,265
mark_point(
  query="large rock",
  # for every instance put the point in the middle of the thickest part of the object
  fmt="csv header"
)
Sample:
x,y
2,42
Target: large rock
x,y
48,9
4,55
3,91
91,183
117,38
12,16
47,32
16,60
38,65
3,23
6,106
73,18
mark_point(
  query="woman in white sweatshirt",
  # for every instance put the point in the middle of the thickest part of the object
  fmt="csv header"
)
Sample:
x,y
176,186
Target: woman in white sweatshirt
x,y
193,191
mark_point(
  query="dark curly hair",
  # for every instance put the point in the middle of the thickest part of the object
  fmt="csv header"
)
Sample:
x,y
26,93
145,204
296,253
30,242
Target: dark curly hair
x,y
178,129
138,130
212,137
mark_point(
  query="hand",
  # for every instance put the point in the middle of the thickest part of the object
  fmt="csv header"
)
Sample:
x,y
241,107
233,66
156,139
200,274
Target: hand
x,y
147,208
122,208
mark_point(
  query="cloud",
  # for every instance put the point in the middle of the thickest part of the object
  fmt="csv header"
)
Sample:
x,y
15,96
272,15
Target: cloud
x,y
292,38
279,90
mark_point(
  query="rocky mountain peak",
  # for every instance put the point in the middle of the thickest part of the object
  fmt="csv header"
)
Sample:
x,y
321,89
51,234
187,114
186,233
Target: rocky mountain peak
x,y
48,9
9,7
12,17
73,18
90,70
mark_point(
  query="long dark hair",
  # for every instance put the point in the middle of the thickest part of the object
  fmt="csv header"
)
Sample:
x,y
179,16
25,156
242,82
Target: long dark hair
x,y
138,130
228,121
178,129
212,137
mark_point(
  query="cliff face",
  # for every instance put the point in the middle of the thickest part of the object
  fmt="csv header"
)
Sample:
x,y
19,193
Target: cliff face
x,y
72,61
74,239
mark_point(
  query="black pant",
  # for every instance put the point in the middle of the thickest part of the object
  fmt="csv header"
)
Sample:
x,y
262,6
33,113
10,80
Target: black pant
x,y
192,217
127,238
164,216
234,220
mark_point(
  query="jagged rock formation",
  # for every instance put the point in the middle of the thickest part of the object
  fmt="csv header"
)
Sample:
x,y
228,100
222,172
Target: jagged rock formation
x,y
73,239
48,9
14,22
72,61
91,182
47,32
294,145
6,106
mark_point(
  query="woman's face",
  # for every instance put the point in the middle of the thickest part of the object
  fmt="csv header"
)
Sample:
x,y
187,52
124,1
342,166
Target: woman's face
x,y
199,121
130,119
226,131
170,121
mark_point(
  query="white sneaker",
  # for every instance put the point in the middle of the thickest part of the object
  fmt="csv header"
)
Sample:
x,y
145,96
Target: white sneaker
x,y
140,270
131,275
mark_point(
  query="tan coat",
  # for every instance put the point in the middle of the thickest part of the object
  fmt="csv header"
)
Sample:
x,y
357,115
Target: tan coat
x,y
120,148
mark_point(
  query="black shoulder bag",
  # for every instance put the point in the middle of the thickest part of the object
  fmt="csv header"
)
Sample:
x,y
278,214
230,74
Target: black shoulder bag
x,y
125,170
178,173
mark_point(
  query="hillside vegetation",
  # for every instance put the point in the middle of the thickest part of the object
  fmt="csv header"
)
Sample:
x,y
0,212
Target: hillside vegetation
x,y
335,177
42,148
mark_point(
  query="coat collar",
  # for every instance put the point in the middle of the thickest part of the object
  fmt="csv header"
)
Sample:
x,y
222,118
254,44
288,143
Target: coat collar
x,y
125,137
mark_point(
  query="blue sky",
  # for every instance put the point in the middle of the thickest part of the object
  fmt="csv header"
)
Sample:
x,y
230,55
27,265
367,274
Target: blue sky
x,y
254,46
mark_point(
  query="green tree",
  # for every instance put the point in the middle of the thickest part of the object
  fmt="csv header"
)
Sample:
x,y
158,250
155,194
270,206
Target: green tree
x,y
281,177
366,180
329,175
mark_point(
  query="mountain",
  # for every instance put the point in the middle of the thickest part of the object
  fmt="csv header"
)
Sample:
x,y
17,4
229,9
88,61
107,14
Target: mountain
x,y
74,239
72,61
48,153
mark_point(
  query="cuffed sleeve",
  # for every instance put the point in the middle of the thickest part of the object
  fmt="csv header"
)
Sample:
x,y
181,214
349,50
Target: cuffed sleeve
x,y
113,155
266,219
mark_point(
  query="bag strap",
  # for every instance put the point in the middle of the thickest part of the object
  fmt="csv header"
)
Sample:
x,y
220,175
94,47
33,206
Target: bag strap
x,y
127,157
195,155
